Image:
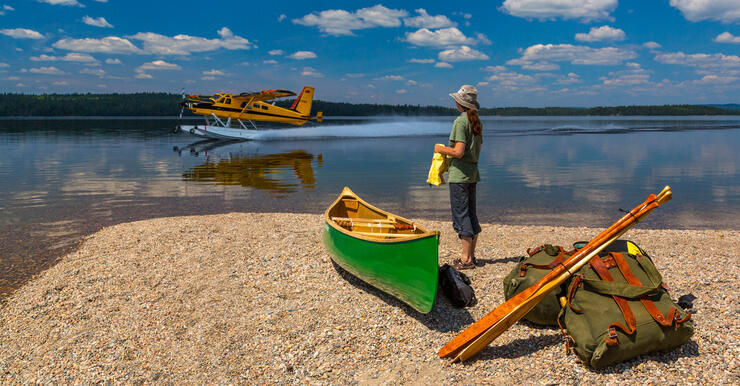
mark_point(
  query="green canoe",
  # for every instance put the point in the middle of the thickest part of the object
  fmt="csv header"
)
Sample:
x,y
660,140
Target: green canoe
x,y
386,251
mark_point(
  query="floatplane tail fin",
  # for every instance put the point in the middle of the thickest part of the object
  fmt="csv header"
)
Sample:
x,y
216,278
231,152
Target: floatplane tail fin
x,y
303,103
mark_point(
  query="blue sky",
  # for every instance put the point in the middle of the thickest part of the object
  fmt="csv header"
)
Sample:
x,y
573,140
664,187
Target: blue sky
x,y
516,52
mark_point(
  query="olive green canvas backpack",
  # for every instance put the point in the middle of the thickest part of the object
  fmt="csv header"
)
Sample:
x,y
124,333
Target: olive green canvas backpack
x,y
538,263
528,271
618,308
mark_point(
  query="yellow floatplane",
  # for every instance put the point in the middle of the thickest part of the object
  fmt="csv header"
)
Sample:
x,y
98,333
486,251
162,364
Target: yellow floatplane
x,y
227,115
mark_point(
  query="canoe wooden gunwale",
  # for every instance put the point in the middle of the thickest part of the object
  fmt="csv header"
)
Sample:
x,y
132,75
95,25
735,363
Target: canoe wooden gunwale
x,y
347,193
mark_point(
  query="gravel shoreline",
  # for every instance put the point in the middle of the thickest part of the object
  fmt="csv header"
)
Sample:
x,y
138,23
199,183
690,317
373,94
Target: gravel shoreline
x,y
254,298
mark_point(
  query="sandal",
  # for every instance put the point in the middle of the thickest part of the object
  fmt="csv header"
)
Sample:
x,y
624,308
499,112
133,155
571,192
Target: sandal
x,y
460,265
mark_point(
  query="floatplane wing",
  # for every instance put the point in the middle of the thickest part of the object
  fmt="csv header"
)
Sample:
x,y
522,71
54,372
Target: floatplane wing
x,y
265,95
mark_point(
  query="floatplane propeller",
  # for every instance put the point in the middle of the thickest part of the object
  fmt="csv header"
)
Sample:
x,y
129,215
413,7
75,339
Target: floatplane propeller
x,y
182,93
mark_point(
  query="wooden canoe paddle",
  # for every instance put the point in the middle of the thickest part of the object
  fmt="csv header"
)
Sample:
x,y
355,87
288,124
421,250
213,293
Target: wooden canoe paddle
x,y
476,337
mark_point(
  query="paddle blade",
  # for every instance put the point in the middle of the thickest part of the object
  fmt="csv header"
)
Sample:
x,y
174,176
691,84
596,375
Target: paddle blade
x,y
499,328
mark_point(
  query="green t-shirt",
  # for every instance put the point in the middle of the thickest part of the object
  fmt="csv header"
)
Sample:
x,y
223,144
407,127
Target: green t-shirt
x,y
465,169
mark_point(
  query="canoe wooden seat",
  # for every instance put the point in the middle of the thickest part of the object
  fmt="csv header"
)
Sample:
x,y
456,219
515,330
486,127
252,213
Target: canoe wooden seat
x,y
349,223
376,234
363,220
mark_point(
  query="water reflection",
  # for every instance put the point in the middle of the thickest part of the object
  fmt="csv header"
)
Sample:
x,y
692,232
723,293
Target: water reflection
x,y
225,166
65,178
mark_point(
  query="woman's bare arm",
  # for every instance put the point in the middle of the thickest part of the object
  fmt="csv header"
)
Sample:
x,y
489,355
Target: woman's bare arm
x,y
455,152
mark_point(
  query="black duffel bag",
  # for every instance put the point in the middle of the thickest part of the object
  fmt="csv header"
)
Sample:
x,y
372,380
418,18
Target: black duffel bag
x,y
456,287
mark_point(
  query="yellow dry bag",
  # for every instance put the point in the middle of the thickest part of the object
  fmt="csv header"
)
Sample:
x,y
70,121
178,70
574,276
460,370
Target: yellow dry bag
x,y
440,164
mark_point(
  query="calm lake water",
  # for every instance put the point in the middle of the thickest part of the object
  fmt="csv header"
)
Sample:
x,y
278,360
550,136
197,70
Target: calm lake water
x,y
61,179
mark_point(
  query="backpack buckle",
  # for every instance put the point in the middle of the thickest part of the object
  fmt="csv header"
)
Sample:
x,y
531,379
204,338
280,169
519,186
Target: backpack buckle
x,y
611,340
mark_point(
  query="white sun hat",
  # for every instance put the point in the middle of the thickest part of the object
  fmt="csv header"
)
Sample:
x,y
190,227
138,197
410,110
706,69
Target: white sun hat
x,y
467,96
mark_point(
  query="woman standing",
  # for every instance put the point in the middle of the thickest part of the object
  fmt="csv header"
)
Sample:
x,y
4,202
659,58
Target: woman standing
x,y
464,149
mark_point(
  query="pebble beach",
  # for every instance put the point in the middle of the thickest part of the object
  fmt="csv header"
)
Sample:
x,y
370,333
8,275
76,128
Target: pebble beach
x,y
245,298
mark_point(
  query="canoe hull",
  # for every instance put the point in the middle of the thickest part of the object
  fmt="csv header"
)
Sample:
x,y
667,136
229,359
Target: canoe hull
x,y
406,270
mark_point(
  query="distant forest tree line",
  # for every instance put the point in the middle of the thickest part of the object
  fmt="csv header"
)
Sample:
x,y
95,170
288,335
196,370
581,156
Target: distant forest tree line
x,y
164,104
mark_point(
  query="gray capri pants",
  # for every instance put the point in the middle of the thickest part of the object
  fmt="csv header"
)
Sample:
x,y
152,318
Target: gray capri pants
x,y
464,217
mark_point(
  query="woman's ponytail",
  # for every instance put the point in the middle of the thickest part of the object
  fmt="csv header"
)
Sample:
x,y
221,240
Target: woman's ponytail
x,y
474,120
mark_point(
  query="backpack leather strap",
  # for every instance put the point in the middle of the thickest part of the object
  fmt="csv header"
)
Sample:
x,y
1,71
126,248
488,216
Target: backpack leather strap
x,y
577,283
629,317
664,320
532,251
561,257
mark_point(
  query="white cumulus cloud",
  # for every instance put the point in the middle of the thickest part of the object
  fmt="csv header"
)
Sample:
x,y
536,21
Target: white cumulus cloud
x,y
427,61
540,66
442,65
483,39
46,71
463,53
727,37
156,65
425,20
302,55
184,44
109,45
340,22
96,22
602,33
275,52
69,3
716,79
509,79
570,79
581,55
214,72
634,75
390,77
308,71
21,33
70,57
699,60
113,61
95,72
726,11
585,10
651,45
439,38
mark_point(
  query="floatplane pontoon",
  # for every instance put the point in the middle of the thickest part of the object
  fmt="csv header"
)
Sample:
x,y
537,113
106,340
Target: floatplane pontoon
x,y
229,116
